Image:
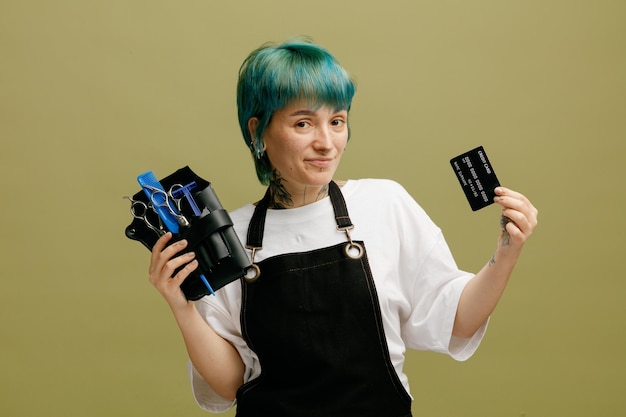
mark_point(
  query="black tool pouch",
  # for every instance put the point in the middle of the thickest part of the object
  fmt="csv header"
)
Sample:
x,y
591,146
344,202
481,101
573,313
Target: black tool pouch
x,y
220,254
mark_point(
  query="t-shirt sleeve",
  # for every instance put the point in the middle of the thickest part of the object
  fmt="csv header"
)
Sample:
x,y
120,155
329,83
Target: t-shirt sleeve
x,y
436,293
433,284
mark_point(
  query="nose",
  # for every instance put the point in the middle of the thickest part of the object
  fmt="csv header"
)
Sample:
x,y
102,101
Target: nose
x,y
323,139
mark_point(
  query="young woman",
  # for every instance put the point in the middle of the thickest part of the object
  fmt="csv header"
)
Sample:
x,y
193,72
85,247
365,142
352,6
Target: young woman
x,y
351,273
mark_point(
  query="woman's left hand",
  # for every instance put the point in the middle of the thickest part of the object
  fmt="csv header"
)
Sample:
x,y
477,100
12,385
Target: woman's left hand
x,y
519,218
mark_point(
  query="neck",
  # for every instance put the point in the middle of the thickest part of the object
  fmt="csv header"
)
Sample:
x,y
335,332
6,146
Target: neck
x,y
284,197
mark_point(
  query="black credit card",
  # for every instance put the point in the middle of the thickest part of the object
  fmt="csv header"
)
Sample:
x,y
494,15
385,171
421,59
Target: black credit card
x,y
476,176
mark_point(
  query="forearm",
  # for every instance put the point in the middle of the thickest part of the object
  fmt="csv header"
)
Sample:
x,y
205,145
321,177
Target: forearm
x,y
482,293
214,358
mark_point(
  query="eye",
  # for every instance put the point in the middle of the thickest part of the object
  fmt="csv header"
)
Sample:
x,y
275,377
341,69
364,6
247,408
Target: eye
x,y
338,122
303,124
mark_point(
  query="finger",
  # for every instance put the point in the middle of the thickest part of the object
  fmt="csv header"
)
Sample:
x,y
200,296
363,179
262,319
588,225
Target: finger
x,y
160,257
162,241
165,273
503,191
158,248
519,226
173,264
173,249
184,273
508,197
515,234
514,200
518,218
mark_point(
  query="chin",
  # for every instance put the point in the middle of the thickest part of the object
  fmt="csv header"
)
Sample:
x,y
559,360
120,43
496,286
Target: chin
x,y
318,178
322,180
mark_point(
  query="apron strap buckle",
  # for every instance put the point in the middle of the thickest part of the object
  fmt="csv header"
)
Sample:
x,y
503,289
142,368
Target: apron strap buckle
x,y
253,272
352,249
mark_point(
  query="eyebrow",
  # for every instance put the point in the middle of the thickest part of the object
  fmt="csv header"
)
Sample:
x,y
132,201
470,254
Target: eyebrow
x,y
304,112
308,112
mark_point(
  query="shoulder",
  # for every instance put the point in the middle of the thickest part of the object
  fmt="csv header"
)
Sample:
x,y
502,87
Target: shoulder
x,y
377,189
385,198
382,185
243,213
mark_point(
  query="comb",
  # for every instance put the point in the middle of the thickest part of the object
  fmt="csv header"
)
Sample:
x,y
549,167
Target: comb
x,y
149,182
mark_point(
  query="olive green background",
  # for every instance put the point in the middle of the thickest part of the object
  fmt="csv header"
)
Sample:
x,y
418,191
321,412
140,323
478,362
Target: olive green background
x,y
93,93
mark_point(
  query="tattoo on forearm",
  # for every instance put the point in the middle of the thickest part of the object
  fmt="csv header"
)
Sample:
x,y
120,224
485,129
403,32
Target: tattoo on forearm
x,y
280,196
505,240
505,237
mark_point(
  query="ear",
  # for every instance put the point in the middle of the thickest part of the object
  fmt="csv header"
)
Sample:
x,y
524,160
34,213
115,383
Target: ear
x,y
253,123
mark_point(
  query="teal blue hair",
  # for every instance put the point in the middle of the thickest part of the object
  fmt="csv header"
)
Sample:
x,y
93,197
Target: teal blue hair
x,y
272,77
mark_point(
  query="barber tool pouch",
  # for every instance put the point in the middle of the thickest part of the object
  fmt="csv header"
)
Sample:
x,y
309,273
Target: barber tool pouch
x,y
206,226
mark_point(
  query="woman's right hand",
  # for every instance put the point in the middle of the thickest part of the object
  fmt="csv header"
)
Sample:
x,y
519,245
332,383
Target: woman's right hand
x,y
164,261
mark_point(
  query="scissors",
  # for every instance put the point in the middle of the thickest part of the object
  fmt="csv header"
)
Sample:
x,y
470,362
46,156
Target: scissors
x,y
139,210
160,198
173,191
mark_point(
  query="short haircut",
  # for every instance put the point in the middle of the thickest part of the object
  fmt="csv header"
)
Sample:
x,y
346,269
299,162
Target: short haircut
x,y
272,77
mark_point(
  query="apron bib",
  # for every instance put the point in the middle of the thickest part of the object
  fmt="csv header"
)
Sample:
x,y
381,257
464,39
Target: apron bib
x,y
314,321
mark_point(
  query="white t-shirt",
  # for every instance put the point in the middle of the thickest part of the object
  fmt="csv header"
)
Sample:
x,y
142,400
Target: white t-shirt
x,y
416,277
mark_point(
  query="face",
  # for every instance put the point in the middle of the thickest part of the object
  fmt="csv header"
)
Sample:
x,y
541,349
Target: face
x,y
305,145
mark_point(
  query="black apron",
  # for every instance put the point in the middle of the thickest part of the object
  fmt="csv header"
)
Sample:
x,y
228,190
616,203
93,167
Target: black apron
x,y
314,321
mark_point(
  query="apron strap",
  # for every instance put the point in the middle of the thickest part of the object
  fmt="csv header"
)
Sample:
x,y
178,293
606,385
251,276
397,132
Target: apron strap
x,y
339,206
256,228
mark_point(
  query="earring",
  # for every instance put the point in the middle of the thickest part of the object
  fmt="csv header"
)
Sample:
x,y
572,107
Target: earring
x,y
258,152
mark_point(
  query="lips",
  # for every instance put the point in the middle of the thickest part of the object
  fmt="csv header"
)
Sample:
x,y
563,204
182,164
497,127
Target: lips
x,y
320,162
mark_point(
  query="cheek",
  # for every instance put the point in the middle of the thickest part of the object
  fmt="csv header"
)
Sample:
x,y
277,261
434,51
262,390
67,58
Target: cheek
x,y
284,156
342,144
